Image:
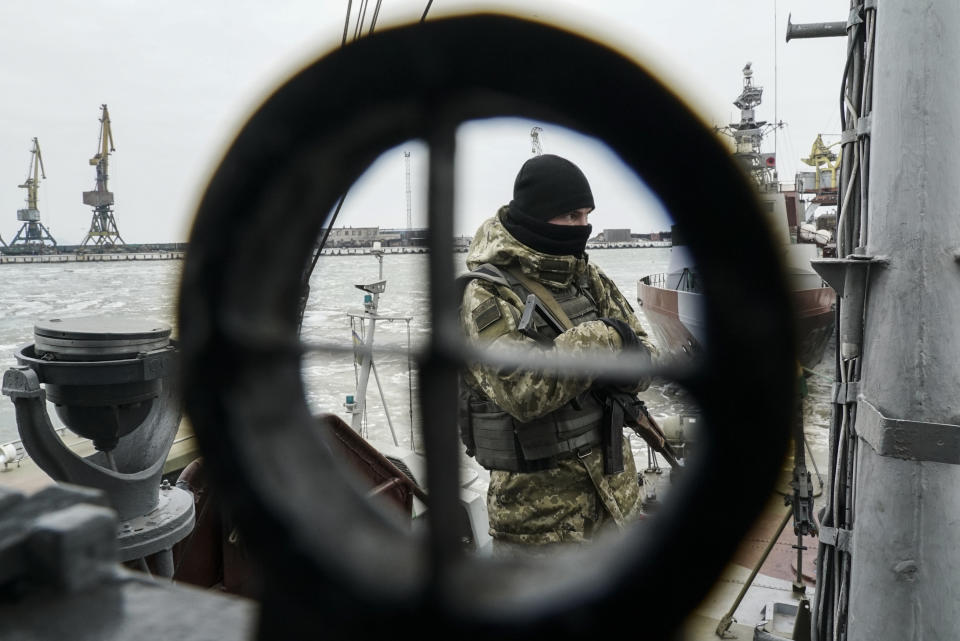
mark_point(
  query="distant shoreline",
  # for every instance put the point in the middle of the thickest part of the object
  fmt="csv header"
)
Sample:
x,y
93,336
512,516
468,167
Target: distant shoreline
x,y
177,251
366,251
102,257
20,254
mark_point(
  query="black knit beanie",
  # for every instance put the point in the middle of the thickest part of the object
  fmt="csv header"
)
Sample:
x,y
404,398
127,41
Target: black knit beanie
x,y
546,187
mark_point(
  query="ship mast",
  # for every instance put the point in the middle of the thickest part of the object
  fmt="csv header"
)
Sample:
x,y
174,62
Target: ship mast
x,y
103,226
900,502
888,559
749,133
363,326
32,232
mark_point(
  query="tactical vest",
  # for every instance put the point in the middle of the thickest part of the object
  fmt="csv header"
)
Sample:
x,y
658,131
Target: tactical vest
x,y
500,442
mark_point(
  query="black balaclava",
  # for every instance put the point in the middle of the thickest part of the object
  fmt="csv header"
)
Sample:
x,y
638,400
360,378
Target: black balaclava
x,y
546,187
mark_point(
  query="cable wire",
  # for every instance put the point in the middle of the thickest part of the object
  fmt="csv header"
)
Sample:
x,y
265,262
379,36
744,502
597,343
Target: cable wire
x,y
373,20
426,11
346,23
360,18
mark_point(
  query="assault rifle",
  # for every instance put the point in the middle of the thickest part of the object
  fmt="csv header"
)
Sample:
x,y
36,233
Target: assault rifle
x,y
620,408
526,327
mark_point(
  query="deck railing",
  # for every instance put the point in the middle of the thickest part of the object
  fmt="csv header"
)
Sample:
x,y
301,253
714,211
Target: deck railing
x,y
687,281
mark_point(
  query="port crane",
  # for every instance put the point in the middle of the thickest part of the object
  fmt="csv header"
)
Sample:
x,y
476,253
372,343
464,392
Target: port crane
x,y
535,147
103,226
32,233
822,156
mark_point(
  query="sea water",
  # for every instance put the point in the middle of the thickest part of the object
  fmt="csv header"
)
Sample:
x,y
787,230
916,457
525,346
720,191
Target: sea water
x,y
35,292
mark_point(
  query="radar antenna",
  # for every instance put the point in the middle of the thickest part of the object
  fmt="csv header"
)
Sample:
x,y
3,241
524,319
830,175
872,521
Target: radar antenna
x,y
103,227
749,133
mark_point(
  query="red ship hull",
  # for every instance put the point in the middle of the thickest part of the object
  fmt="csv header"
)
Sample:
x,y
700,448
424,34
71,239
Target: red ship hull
x,y
677,322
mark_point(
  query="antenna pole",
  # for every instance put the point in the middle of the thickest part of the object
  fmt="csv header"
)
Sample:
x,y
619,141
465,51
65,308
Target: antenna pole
x,y
776,86
406,162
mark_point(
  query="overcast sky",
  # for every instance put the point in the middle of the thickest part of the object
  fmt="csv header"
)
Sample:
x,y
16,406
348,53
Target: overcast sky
x,y
180,77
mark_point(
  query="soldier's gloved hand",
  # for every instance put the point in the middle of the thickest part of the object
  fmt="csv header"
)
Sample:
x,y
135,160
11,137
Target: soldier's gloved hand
x,y
627,336
588,337
633,349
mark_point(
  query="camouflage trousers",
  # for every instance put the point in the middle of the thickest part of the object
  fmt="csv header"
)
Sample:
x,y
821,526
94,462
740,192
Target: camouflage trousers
x,y
509,550
570,504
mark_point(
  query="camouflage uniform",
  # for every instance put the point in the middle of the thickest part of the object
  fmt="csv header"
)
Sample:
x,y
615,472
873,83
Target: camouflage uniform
x,y
568,503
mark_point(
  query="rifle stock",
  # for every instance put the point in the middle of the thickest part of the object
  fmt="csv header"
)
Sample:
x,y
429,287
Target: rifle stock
x,y
647,428
526,327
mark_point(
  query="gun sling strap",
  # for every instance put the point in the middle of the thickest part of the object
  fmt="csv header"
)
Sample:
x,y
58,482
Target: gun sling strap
x,y
612,425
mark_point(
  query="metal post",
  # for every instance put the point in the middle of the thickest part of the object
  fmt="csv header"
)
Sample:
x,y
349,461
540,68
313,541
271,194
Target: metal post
x,y
366,362
905,560
163,561
383,399
815,30
438,383
406,162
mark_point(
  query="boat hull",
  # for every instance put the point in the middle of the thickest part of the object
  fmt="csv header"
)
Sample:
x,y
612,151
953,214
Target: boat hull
x,y
678,322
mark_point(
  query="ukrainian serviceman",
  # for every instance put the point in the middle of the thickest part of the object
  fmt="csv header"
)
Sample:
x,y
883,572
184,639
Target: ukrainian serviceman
x,y
558,473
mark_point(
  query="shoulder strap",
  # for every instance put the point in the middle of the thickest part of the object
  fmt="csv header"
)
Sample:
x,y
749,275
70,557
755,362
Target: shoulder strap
x,y
494,274
485,272
544,295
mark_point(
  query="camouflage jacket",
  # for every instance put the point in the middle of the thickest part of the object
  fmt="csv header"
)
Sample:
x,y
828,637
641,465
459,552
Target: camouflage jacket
x,y
566,503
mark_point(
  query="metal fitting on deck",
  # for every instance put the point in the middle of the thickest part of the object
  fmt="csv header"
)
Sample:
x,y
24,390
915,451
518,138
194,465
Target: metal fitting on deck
x,y
21,381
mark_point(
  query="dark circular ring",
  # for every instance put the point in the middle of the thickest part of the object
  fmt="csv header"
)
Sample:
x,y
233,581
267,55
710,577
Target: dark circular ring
x,y
254,233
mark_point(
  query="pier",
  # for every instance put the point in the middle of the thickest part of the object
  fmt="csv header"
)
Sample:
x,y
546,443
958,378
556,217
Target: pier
x,y
81,254
89,258
366,251
177,254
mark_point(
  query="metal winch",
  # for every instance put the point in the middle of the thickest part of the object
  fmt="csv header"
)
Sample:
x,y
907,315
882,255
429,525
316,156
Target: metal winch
x,y
112,380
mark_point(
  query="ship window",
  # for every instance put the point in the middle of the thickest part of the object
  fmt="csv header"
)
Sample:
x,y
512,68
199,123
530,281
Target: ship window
x,y
242,352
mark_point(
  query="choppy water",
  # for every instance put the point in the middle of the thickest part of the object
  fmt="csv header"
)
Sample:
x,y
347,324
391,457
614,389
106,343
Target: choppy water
x,y
35,292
